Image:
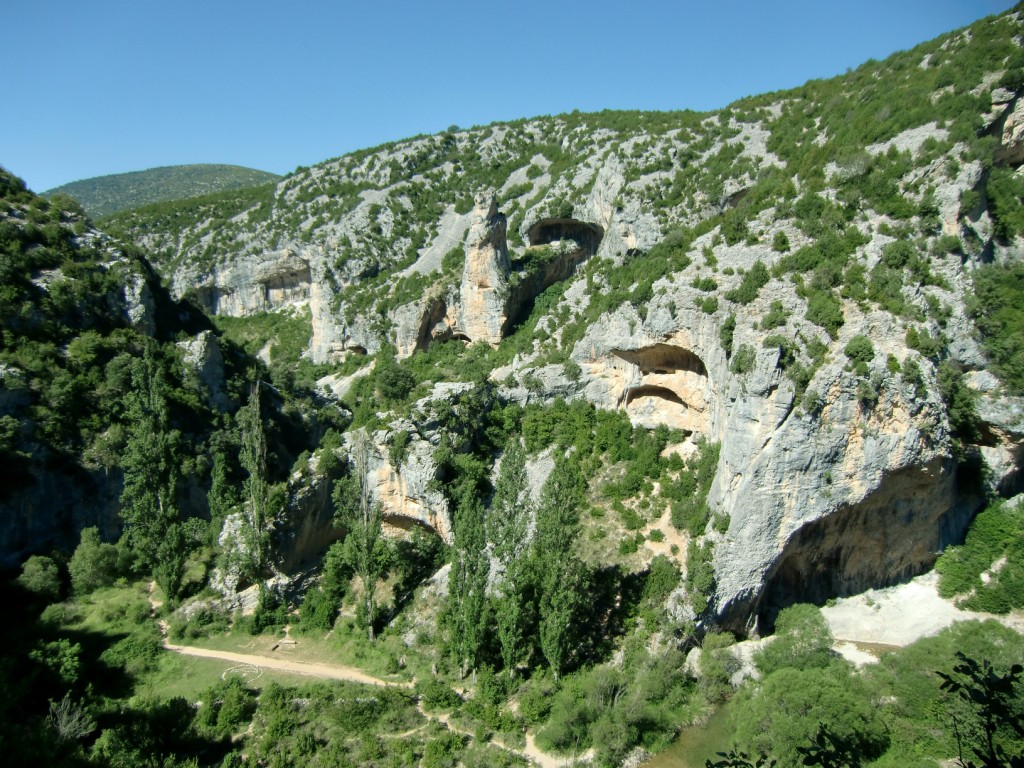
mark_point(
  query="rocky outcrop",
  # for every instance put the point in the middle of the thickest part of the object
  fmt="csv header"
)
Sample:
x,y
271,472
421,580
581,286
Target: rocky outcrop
x,y
202,354
856,493
1008,127
254,284
484,288
405,485
493,295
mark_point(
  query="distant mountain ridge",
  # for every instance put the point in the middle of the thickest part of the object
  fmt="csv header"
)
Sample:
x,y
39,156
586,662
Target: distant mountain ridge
x,y
104,195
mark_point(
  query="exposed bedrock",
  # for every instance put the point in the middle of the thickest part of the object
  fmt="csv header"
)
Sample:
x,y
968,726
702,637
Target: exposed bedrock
x,y
484,287
250,285
671,387
895,533
492,297
850,495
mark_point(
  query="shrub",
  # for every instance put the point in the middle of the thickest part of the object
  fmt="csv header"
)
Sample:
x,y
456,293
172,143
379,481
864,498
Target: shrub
x,y
754,279
780,243
93,564
744,359
860,352
725,335
802,641
41,576
825,311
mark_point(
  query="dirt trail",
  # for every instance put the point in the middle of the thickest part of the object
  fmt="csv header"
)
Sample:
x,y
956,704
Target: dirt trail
x,y
353,675
331,671
531,752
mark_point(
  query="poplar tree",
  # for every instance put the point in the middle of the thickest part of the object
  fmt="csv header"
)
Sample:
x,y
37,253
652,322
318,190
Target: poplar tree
x,y
363,520
507,528
467,583
563,577
253,457
153,529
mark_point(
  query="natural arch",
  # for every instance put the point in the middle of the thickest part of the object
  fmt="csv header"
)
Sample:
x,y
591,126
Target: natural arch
x,y
673,390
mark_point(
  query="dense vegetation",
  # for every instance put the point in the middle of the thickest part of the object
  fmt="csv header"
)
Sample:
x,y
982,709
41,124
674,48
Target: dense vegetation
x,y
104,195
578,574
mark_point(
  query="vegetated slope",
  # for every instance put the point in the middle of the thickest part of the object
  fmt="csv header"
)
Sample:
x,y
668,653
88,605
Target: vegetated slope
x,y
104,195
727,362
791,278
97,359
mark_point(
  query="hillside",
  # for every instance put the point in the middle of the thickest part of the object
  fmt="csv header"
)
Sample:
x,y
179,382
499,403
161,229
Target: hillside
x,y
792,279
532,422
104,195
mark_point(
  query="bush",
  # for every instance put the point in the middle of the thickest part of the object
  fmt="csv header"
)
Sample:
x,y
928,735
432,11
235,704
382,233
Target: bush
x,y
744,359
93,564
41,576
787,708
802,640
753,281
860,352
825,311
997,532
136,653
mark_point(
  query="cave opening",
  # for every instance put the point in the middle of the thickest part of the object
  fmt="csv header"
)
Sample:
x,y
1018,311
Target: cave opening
x,y
663,393
674,388
892,535
546,231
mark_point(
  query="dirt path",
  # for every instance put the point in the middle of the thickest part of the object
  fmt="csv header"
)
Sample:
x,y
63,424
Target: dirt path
x,y
330,671
531,752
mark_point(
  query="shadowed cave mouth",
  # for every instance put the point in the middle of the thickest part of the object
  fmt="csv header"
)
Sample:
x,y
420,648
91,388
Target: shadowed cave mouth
x,y
547,231
651,391
887,539
586,236
663,359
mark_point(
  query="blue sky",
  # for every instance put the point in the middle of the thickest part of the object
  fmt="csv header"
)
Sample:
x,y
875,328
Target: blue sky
x,y
111,86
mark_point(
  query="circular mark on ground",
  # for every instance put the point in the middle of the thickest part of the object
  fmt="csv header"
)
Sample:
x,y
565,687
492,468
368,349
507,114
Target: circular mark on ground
x,y
247,672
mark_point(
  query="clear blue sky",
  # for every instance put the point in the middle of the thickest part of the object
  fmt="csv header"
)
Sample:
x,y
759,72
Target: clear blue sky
x,y
109,86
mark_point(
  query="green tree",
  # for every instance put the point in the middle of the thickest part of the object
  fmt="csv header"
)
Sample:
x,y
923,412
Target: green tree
x,y
782,713
802,640
255,532
93,563
363,520
994,700
40,574
153,529
467,583
564,578
506,527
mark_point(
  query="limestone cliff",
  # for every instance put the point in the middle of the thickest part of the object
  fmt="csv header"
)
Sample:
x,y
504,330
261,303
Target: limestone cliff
x,y
703,272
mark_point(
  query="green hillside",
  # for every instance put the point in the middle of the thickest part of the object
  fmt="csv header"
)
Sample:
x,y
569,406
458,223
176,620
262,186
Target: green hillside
x,y
571,440
103,195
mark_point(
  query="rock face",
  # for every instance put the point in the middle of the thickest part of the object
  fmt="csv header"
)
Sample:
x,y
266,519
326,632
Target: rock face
x,y
853,493
491,297
252,285
203,355
484,288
